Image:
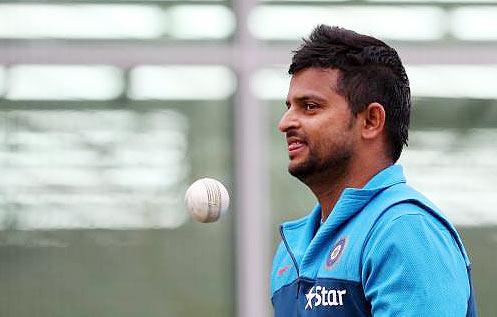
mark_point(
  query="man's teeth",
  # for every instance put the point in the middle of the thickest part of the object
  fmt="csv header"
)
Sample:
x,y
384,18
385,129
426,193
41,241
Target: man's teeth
x,y
294,145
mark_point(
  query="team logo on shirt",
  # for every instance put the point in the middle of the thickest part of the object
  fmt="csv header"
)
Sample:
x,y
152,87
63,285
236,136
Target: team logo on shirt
x,y
335,253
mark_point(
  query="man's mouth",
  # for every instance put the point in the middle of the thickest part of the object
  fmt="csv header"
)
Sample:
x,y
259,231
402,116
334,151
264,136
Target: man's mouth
x,y
295,145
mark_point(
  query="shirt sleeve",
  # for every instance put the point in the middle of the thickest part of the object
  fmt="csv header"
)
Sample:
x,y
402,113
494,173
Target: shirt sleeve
x,y
412,266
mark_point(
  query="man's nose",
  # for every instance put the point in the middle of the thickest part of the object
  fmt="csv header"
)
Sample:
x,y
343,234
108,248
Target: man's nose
x,y
288,121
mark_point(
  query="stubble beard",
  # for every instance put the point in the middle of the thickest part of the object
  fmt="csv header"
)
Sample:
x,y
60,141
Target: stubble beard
x,y
334,165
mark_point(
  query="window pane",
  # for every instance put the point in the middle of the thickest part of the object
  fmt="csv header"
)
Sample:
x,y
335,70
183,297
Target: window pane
x,y
271,83
453,81
294,22
182,82
438,1
56,82
96,164
115,21
477,23
80,21
92,220
197,22
2,81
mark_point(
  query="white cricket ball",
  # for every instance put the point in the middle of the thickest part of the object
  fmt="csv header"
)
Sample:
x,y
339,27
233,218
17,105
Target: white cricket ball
x,y
206,199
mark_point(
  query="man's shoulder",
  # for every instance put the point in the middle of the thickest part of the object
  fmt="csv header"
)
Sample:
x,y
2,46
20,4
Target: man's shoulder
x,y
409,224
408,209
402,201
409,214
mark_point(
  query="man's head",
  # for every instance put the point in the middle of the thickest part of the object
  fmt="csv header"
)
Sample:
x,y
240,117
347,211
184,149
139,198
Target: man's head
x,y
364,72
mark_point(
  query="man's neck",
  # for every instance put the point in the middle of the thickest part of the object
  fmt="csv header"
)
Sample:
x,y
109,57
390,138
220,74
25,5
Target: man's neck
x,y
329,187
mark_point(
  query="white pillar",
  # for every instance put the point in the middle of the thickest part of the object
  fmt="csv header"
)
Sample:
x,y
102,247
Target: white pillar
x,y
251,178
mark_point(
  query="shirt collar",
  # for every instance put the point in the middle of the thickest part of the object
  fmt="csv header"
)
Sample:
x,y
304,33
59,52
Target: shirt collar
x,y
301,235
387,177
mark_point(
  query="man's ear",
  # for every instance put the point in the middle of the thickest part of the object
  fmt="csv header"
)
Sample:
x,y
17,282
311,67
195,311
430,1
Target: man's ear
x,y
372,121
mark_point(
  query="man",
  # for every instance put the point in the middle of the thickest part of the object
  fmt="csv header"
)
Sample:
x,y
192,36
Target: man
x,y
372,246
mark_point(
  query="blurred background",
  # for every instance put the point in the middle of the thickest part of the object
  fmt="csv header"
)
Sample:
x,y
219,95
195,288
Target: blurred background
x,y
109,109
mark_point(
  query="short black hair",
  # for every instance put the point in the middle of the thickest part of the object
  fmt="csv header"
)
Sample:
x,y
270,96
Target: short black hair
x,y
370,71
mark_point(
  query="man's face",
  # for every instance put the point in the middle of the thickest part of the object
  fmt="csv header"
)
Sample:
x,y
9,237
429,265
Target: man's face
x,y
319,125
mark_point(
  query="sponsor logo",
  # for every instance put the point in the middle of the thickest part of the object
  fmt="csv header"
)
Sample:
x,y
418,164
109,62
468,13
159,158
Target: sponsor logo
x,y
321,296
335,253
283,270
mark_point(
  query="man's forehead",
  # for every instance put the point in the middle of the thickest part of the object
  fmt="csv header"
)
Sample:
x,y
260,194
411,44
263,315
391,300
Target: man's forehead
x,y
331,74
307,80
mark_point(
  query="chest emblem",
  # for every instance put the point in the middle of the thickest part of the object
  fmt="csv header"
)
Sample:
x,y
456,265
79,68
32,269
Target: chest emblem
x,y
335,253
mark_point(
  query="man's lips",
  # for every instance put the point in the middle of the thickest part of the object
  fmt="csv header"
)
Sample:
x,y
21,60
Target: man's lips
x,y
295,145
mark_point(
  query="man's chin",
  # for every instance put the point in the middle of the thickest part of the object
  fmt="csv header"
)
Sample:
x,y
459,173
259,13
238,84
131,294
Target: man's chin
x,y
299,170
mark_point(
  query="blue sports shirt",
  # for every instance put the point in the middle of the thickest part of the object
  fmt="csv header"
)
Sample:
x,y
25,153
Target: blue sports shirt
x,y
385,250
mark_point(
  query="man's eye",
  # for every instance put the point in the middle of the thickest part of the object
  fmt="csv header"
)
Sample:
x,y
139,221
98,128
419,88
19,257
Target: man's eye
x,y
310,106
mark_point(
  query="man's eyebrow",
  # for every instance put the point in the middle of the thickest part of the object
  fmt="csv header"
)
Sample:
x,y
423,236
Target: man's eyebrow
x,y
306,98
